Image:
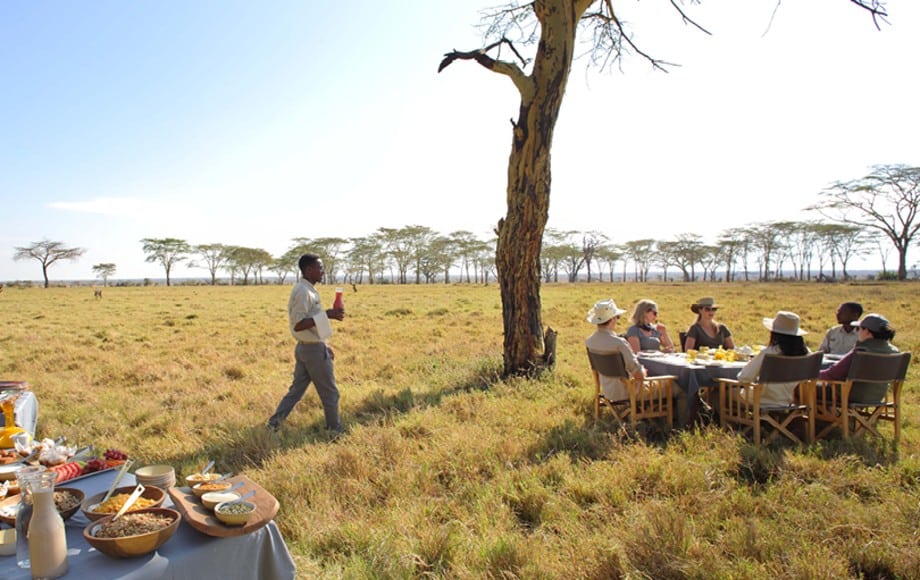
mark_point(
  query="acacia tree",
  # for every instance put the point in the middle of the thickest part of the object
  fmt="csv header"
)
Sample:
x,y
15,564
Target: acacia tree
x,y
552,27
887,200
47,253
167,251
104,271
214,256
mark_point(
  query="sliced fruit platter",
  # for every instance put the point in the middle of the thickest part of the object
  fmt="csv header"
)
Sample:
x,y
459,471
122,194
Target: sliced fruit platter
x,y
75,469
68,463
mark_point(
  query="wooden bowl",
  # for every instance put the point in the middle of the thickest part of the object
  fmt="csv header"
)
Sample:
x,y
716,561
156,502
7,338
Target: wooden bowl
x,y
78,493
234,519
10,505
199,491
150,492
132,546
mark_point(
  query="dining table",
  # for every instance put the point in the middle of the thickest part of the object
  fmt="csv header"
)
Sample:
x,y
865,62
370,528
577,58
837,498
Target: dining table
x,y
692,375
188,554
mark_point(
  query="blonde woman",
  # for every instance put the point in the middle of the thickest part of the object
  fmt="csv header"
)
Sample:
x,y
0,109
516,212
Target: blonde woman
x,y
706,331
646,333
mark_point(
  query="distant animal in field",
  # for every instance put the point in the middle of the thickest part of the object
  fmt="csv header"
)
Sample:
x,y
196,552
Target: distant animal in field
x,y
97,293
354,287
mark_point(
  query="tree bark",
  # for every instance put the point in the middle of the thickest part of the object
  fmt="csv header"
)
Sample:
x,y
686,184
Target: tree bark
x,y
520,233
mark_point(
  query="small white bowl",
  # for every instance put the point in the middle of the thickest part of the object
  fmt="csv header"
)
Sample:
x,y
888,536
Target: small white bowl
x,y
157,475
8,542
212,498
235,519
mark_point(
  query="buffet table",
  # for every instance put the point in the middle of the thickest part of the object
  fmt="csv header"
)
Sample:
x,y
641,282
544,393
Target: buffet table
x,y
188,554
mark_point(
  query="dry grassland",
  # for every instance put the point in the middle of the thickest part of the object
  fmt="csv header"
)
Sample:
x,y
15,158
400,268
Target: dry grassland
x,y
447,471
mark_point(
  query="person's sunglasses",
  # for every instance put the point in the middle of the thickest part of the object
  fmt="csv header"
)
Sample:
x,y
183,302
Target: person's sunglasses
x,y
709,309
653,311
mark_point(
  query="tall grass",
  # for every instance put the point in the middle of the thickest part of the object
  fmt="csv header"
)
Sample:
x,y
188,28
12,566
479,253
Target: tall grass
x,y
448,471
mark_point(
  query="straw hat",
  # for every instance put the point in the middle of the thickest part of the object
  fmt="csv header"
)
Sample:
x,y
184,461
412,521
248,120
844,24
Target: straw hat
x,y
784,323
708,302
603,311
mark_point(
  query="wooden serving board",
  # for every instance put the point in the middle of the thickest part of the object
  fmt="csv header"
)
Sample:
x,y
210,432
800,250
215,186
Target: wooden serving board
x,y
203,520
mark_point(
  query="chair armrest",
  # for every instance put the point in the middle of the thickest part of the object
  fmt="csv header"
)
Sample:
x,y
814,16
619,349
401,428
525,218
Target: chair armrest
x,y
661,377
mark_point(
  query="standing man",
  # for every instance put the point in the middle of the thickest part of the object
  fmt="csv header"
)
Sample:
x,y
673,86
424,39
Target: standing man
x,y
310,326
842,338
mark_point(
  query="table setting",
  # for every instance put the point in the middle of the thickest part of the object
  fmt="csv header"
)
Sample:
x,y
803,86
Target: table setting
x,y
119,524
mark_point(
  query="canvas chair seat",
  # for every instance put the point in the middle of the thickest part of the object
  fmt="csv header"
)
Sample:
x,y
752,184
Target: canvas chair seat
x,y
739,401
832,398
649,398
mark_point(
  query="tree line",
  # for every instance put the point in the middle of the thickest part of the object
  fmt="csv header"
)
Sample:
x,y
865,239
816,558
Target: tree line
x,y
803,250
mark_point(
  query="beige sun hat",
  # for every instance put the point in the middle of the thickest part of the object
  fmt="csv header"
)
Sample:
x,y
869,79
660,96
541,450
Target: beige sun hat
x,y
603,311
784,323
708,301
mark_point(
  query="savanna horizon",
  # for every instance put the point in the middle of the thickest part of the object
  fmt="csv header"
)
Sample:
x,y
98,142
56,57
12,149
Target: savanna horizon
x,y
447,470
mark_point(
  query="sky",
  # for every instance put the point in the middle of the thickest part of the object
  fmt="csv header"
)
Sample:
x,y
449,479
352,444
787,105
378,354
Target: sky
x,y
251,123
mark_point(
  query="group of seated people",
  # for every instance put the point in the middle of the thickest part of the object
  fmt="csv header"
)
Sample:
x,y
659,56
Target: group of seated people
x,y
872,333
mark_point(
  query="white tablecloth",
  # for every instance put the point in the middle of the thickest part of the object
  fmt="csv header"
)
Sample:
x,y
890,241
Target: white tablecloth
x,y
188,554
25,412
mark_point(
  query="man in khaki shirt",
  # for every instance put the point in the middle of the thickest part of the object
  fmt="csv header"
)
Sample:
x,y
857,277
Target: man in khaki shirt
x,y
309,324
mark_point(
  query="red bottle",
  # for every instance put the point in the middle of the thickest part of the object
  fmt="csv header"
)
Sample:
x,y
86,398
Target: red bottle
x,y
339,301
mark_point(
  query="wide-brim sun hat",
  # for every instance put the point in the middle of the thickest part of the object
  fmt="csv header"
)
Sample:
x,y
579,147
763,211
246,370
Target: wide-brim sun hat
x,y
708,302
603,311
873,322
784,323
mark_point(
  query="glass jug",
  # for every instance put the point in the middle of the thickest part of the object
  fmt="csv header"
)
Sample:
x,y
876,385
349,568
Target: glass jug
x,y
24,514
47,538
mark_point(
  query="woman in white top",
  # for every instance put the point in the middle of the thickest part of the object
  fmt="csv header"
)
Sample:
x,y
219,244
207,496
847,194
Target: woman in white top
x,y
785,339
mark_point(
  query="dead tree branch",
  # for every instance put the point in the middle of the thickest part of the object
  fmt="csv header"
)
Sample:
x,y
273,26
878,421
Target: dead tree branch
x,y
509,69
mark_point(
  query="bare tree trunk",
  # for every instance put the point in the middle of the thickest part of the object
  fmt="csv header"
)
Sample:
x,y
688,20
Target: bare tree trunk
x,y
520,233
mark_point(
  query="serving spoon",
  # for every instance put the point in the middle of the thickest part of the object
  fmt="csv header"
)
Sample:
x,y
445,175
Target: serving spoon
x,y
121,473
241,498
130,501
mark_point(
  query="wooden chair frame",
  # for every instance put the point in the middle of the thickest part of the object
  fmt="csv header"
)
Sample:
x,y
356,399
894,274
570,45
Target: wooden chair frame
x,y
745,409
648,398
832,398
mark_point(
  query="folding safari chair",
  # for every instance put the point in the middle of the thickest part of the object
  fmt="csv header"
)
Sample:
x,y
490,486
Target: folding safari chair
x,y
648,398
833,399
739,401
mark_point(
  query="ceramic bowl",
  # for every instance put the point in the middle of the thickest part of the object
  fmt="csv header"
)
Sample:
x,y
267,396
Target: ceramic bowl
x,y
150,492
9,470
234,519
202,488
163,476
196,478
8,542
212,498
132,546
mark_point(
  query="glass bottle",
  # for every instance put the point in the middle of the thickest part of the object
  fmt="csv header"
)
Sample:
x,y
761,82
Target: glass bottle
x,y
339,301
47,537
24,514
